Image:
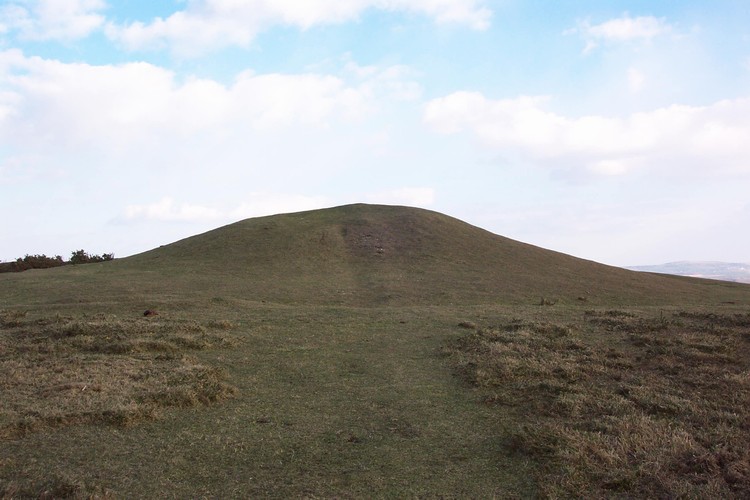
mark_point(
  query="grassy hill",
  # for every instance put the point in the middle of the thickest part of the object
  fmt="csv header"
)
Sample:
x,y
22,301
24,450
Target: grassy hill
x,y
364,255
370,351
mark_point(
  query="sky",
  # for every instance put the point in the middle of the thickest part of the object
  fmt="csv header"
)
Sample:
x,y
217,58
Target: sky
x,y
615,131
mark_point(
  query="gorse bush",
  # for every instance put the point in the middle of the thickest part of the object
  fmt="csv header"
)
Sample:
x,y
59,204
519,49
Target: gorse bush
x,y
81,257
31,262
43,262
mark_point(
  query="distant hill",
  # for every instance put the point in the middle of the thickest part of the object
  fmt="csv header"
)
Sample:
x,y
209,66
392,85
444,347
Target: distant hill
x,y
724,271
364,255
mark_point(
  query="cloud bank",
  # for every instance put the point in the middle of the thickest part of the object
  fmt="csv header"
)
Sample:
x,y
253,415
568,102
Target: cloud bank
x,y
206,25
677,140
257,204
49,105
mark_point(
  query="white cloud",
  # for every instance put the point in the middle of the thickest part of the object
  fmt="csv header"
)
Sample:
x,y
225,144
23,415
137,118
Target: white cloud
x,y
675,140
206,25
166,210
622,29
47,103
259,204
628,28
397,80
256,204
52,19
276,99
468,12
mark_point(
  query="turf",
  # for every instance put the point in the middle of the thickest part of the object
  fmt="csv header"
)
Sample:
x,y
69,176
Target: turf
x,y
319,354
358,255
622,404
345,402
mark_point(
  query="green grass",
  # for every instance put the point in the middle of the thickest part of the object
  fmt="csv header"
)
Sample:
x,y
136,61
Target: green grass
x,y
330,402
315,355
357,255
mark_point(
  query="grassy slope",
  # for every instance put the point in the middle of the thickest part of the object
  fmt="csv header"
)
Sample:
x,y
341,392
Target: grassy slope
x,y
336,397
375,255
359,255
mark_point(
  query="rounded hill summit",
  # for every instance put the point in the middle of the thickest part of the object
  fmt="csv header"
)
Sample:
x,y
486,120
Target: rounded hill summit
x,y
391,255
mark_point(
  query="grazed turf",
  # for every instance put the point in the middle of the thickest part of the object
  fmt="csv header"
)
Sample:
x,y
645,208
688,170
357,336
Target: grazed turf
x,y
357,255
302,356
331,402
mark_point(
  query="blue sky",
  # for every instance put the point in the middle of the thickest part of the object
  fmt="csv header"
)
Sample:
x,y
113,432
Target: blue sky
x,y
614,131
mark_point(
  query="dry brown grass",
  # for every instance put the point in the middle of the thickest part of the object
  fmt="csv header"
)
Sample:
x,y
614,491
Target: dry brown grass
x,y
62,371
623,405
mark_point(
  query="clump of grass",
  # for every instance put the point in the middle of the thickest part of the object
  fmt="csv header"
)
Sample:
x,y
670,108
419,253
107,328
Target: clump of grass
x,y
11,318
659,410
221,324
191,384
62,371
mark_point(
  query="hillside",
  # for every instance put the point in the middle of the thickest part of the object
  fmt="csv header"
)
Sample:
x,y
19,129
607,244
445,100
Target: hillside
x,y
364,255
369,351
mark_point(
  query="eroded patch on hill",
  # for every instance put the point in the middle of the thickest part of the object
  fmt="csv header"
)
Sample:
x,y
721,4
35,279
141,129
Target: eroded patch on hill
x,y
62,371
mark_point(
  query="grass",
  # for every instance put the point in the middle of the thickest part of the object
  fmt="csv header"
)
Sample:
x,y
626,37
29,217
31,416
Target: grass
x,y
330,402
361,256
621,404
304,356
62,371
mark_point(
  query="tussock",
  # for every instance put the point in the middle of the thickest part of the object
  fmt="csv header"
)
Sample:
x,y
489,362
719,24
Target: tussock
x,y
63,371
661,409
